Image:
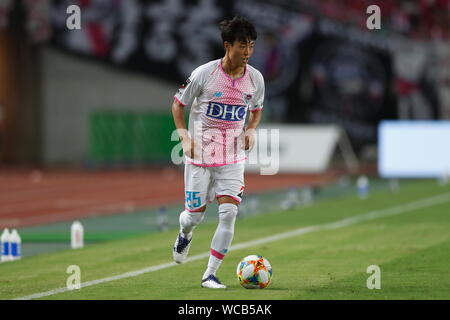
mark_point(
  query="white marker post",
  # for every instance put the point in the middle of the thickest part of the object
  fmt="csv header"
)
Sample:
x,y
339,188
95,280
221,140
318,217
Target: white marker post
x,y
77,235
444,178
394,185
363,187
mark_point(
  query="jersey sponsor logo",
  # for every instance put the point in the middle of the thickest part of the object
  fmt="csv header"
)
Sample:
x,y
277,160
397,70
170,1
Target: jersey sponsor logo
x,y
226,112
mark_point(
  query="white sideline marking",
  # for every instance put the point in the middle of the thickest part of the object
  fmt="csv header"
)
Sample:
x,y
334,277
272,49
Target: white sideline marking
x,y
427,202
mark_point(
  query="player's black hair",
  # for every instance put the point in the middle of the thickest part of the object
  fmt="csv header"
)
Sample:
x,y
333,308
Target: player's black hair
x,y
237,28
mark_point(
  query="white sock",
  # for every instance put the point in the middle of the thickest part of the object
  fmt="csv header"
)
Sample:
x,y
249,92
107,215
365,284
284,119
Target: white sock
x,y
187,236
188,222
213,265
222,237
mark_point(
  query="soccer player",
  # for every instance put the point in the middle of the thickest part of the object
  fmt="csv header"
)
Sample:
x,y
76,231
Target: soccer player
x,y
220,93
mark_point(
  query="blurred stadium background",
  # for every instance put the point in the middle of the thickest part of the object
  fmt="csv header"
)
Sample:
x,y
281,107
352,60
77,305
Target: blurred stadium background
x,y
85,119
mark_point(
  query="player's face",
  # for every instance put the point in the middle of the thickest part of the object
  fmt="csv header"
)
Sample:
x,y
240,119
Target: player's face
x,y
240,52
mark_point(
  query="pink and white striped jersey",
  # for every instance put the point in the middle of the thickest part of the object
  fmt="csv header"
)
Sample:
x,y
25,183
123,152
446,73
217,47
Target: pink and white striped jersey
x,y
219,107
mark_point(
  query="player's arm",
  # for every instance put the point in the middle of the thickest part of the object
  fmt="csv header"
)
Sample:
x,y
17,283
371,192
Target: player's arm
x,y
255,108
184,97
180,124
250,133
254,119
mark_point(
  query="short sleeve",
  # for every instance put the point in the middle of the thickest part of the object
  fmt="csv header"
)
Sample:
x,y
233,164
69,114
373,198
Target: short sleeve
x,y
257,102
190,89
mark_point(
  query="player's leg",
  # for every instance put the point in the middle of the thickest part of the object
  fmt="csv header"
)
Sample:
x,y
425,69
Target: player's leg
x,y
188,222
229,189
196,181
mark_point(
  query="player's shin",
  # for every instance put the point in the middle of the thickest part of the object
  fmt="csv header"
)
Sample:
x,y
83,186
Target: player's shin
x,y
222,238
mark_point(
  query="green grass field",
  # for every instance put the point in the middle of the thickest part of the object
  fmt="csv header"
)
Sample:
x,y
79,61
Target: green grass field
x,y
412,249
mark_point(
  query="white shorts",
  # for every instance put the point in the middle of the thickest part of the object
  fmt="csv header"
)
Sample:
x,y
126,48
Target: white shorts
x,y
203,184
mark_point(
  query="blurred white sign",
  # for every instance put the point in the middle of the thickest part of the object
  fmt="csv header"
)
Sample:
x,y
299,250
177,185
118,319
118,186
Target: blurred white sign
x,y
413,149
307,148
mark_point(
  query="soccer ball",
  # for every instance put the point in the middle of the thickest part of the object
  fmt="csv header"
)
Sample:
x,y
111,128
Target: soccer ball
x,y
254,272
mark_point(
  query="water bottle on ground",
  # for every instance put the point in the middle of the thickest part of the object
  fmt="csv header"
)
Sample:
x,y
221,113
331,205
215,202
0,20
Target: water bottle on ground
x,y
16,245
6,245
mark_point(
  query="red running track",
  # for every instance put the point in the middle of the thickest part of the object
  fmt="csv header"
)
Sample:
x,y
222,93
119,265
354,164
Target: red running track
x,y
33,197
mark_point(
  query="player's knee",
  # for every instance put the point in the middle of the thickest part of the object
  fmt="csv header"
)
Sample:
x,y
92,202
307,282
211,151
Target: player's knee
x,y
191,219
228,212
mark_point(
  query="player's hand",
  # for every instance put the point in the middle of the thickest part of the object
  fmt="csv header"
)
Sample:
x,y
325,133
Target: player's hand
x,y
249,139
188,147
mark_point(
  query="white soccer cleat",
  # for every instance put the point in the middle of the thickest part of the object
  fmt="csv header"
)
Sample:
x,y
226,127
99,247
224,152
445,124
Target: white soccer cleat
x,y
181,249
212,282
